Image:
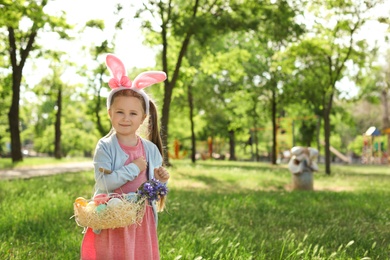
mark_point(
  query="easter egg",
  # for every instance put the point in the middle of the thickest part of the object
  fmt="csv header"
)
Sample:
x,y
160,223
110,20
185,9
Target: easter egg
x,y
80,201
114,195
114,202
100,198
90,206
101,208
131,196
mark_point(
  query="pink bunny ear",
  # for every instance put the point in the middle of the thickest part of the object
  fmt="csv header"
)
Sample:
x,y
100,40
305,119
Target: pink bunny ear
x,y
118,72
147,78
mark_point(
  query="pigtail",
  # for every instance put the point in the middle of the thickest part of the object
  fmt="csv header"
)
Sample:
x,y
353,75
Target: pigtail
x,y
154,136
153,129
161,203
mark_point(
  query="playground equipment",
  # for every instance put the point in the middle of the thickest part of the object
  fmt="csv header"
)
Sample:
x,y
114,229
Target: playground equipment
x,y
386,132
301,165
373,147
176,151
337,153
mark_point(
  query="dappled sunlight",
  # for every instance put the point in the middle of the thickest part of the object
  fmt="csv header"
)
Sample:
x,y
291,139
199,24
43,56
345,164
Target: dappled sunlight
x,y
235,177
213,209
225,179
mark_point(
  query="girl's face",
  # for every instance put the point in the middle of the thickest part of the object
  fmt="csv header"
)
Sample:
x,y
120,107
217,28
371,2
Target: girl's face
x,y
126,114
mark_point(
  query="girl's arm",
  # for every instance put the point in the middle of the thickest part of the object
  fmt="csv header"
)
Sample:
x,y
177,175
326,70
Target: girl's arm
x,y
118,177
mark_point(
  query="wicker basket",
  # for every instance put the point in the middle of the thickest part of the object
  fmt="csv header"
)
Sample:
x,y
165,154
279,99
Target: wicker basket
x,y
103,216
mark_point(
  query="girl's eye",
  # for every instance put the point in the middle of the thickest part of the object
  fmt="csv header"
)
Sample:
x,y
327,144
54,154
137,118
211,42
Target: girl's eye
x,y
119,112
133,114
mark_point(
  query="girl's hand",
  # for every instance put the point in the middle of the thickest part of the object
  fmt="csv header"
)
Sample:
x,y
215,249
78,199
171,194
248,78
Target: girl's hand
x,y
141,163
161,174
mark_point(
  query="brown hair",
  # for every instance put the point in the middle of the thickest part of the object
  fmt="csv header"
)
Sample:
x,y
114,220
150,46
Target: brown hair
x,y
153,129
155,137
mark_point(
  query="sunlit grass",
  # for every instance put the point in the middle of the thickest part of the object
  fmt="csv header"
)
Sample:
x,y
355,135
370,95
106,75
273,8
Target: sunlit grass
x,y
6,163
216,210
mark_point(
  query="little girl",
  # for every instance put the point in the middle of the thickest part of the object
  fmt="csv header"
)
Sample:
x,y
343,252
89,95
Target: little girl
x,y
127,161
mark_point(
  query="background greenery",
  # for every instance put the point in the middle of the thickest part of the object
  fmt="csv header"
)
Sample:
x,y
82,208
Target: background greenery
x,y
217,210
253,75
272,72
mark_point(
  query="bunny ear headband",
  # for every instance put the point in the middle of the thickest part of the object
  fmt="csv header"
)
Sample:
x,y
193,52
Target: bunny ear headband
x,y
120,81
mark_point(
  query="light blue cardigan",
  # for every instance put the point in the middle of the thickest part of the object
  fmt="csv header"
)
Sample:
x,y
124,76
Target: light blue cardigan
x,y
109,155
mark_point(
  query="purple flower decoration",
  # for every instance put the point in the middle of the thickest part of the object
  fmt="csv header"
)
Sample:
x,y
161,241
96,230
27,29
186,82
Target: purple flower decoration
x,y
152,190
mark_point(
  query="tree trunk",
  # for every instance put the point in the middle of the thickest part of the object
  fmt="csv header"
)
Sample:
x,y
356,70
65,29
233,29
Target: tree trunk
x,y
165,122
256,142
318,129
17,72
386,116
232,143
13,117
169,84
168,89
254,133
327,140
274,128
193,139
57,126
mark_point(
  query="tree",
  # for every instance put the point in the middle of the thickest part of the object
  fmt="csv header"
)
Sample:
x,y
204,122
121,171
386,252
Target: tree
x,y
23,21
221,89
281,32
59,131
223,58
51,88
178,23
326,51
272,36
376,90
96,105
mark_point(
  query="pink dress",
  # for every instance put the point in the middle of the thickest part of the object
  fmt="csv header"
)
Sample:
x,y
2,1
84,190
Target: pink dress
x,y
131,242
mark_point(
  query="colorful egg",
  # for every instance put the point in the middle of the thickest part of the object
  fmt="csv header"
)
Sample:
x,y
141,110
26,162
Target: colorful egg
x,y
101,208
114,195
114,202
90,206
132,197
100,199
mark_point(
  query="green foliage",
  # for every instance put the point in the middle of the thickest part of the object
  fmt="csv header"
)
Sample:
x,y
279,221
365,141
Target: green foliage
x,y
22,21
364,115
78,135
356,146
240,53
5,101
33,15
216,210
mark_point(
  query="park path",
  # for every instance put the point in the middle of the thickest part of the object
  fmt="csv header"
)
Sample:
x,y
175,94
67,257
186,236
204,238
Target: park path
x,y
45,170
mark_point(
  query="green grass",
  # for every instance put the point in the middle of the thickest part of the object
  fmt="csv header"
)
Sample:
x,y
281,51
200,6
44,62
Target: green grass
x,y
217,210
6,163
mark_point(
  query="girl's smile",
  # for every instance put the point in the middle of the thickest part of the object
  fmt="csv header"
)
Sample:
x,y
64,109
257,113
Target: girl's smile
x,y
126,114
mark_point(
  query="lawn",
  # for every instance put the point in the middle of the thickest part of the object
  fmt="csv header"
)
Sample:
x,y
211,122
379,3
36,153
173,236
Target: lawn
x,y
6,163
217,210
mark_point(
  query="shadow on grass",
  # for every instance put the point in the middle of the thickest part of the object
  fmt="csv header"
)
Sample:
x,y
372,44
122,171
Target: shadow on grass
x,y
204,222
47,232
214,184
226,222
366,175
231,165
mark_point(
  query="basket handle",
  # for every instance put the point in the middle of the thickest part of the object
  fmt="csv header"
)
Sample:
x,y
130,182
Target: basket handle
x,y
105,171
